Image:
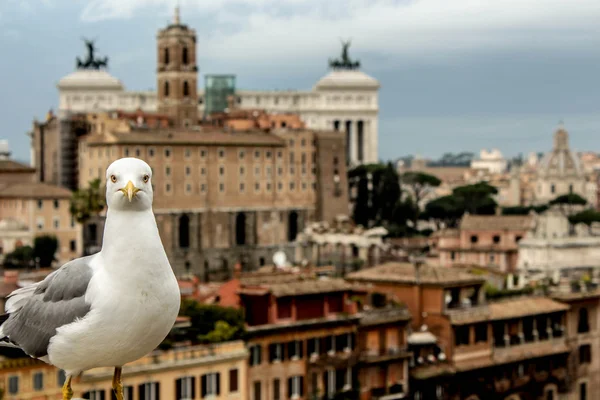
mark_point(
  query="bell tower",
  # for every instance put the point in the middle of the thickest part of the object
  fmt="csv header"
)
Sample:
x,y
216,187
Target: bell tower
x,y
177,73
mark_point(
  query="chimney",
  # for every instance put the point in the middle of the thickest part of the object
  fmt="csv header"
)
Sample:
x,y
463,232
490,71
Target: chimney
x,y
11,276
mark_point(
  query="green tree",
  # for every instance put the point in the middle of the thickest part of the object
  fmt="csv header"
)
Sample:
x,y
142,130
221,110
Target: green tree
x,y
222,333
420,183
44,249
587,217
377,192
477,198
89,202
446,210
571,199
204,319
21,257
522,210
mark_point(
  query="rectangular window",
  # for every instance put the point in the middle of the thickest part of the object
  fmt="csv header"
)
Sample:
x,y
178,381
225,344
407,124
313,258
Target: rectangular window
x,y
146,391
40,204
211,384
461,335
56,204
295,387
56,222
295,350
73,245
256,387
276,389
481,333
585,354
186,388
221,187
188,153
255,355
233,380
13,385
221,153
275,352
188,170
583,391
312,347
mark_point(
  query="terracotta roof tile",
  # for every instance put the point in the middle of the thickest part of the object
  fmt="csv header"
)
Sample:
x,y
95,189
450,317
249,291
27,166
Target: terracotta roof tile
x,y
34,190
394,272
14,166
496,222
300,287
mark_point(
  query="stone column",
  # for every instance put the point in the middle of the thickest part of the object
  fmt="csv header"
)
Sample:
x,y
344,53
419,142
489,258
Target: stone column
x,y
506,335
354,147
535,333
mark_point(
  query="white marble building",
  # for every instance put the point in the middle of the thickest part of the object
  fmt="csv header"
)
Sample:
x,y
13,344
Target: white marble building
x,y
551,246
345,100
491,161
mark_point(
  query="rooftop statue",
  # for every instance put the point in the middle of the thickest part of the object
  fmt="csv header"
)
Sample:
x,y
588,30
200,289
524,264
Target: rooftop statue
x,y
344,62
91,62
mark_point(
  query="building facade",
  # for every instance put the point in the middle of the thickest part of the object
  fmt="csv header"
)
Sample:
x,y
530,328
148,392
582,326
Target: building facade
x,y
224,196
32,209
218,371
486,240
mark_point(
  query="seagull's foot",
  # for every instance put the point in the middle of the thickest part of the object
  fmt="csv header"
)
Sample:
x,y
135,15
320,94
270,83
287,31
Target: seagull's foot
x,y
117,385
67,392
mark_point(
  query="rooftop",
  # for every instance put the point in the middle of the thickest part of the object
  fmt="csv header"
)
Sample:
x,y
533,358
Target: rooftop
x,y
14,166
90,79
496,222
298,287
395,272
341,78
209,138
518,307
34,190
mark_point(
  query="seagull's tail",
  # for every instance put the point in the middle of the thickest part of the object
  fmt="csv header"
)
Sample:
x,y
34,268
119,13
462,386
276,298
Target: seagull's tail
x,y
4,340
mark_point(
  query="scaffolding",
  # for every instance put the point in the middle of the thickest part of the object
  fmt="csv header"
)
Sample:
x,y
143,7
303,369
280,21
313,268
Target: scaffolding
x,y
217,89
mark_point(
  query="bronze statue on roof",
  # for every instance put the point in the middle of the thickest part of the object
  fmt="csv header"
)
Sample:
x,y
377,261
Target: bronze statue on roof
x,y
91,62
344,62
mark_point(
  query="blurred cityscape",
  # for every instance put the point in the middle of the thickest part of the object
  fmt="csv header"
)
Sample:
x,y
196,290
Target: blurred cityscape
x,y
308,268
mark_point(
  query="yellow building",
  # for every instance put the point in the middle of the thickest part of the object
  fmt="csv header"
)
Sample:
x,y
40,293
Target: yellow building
x,y
40,209
217,371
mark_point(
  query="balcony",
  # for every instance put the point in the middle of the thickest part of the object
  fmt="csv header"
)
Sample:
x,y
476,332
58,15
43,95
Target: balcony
x,y
383,355
501,355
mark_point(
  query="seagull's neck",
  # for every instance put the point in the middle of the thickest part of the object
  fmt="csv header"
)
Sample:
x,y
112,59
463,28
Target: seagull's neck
x,y
131,236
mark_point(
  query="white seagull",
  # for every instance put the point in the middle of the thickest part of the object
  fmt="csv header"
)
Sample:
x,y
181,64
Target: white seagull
x,y
107,309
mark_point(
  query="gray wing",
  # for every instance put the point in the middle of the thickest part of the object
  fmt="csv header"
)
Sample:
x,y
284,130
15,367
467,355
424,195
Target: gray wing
x,y
56,301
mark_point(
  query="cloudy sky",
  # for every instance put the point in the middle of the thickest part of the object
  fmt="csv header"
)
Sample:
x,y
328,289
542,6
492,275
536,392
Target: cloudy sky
x,y
455,75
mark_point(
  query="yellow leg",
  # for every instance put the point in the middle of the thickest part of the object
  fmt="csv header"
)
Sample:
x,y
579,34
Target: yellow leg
x,y
67,392
117,385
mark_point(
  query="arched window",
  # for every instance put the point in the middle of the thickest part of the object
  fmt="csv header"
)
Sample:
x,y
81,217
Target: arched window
x,y
184,231
186,89
184,56
240,229
166,56
292,226
167,89
583,324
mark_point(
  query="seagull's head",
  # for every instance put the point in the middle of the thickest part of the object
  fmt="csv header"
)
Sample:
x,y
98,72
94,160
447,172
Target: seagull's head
x,y
129,185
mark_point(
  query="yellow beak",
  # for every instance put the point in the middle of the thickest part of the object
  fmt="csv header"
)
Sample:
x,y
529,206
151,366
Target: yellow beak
x,y
130,191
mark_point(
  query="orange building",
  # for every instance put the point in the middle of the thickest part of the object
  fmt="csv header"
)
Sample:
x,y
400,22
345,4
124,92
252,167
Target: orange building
x,y
509,349
486,240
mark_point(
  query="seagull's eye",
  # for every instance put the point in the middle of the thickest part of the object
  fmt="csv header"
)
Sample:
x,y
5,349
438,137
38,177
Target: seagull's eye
x,y
113,178
146,178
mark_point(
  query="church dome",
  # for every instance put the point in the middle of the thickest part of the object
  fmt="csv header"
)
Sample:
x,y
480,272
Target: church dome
x,y
561,161
90,79
347,78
